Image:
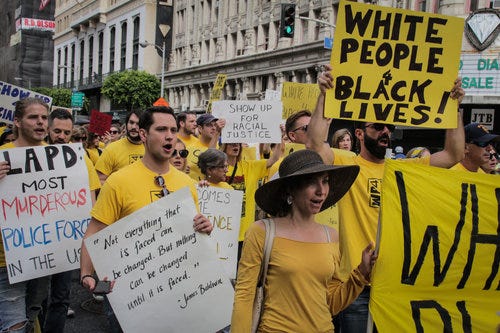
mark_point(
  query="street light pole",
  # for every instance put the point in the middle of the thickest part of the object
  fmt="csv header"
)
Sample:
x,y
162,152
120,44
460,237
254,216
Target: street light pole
x,y
164,28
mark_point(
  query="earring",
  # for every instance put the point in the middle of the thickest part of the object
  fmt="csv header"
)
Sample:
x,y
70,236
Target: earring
x,y
289,200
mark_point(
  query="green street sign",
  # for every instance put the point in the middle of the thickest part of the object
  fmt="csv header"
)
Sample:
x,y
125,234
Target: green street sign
x,y
77,99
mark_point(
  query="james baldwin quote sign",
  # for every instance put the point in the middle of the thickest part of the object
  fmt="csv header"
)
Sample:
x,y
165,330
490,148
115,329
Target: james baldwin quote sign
x,y
168,277
249,121
45,208
394,66
223,208
10,94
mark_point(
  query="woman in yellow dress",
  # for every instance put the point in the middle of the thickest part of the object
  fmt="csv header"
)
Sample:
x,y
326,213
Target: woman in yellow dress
x,y
301,289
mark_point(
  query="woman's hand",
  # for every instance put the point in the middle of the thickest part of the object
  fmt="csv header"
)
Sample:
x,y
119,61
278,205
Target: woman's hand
x,y
4,169
202,224
325,80
368,258
203,183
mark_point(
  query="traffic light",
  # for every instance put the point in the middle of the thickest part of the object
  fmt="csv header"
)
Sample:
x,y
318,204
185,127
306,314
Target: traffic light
x,y
287,23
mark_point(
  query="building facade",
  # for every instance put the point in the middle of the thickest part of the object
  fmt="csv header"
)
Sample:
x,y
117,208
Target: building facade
x,y
239,38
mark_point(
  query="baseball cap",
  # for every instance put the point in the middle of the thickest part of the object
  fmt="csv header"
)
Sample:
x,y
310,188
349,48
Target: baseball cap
x,y
205,118
477,133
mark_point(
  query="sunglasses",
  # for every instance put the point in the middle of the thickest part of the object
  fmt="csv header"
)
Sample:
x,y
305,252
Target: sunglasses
x,y
113,132
182,153
303,128
79,138
480,144
493,156
160,181
380,127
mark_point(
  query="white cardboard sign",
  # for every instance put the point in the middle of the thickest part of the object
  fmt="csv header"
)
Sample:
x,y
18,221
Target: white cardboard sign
x,y
168,278
223,208
45,208
10,94
249,121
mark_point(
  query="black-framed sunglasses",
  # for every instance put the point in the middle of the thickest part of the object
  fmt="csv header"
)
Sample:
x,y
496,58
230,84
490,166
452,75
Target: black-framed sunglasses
x,y
493,156
113,132
480,144
182,153
303,128
160,181
380,127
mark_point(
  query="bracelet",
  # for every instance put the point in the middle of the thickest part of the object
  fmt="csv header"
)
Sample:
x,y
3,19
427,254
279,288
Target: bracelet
x,y
86,276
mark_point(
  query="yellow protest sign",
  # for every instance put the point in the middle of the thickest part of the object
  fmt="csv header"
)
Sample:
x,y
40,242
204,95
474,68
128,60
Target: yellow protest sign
x,y
216,94
298,96
438,266
394,66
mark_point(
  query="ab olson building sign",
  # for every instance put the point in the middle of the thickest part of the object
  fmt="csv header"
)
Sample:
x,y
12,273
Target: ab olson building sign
x,y
479,66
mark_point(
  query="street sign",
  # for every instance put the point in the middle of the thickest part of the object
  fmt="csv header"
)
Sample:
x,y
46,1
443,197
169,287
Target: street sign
x,y
77,99
328,43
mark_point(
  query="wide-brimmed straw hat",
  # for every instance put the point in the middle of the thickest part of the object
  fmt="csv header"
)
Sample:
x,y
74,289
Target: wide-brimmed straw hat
x,y
271,196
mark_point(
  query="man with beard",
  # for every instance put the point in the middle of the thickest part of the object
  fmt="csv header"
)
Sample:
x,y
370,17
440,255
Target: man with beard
x,y
20,303
359,208
478,148
186,123
123,152
57,306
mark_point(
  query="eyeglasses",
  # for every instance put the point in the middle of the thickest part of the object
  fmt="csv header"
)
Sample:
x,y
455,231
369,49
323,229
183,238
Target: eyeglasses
x,y
159,181
380,127
222,166
303,128
113,132
182,153
493,156
480,144
79,138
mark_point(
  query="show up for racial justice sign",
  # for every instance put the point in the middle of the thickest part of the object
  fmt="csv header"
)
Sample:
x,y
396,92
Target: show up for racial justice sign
x,y
168,277
438,265
249,121
45,209
223,208
394,66
10,94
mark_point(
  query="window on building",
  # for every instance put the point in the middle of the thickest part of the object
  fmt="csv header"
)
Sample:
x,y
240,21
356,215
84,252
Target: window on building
x,y
82,56
73,59
263,38
59,68
100,53
65,64
112,36
422,5
91,56
123,47
473,5
135,44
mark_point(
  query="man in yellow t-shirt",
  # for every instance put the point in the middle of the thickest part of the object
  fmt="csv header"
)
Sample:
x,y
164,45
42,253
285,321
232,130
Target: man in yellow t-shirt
x,y
478,145
140,184
359,208
209,128
123,152
186,124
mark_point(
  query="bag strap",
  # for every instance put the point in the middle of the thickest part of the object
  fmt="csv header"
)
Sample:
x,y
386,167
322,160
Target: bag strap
x,y
325,228
230,180
268,245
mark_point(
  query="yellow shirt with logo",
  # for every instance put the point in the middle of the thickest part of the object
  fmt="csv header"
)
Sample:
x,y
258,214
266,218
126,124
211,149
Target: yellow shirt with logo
x,y
117,155
194,151
132,188
246,179
460,167
359,209
189,140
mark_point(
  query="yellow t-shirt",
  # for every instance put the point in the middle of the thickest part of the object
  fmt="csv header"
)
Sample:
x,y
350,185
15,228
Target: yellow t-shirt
x,y
93,154
460,167
132,188
246,179
94,184
117,155
359,208
194,151
222,185
301,290
189,141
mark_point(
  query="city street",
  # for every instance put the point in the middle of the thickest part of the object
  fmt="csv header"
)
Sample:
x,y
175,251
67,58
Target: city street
x,y
89,314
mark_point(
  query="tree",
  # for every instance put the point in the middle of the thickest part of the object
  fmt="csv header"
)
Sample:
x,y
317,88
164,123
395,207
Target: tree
x,y
61,97
132,89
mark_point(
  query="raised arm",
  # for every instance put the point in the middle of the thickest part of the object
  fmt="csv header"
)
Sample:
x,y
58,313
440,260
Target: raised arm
x,y
454,144
319,125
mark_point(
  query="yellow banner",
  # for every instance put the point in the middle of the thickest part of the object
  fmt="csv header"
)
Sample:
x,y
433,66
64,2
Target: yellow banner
x,y
394,66
438,266
216,94
298,96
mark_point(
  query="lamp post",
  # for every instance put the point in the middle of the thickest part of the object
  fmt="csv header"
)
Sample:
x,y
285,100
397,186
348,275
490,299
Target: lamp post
x,y
164,28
